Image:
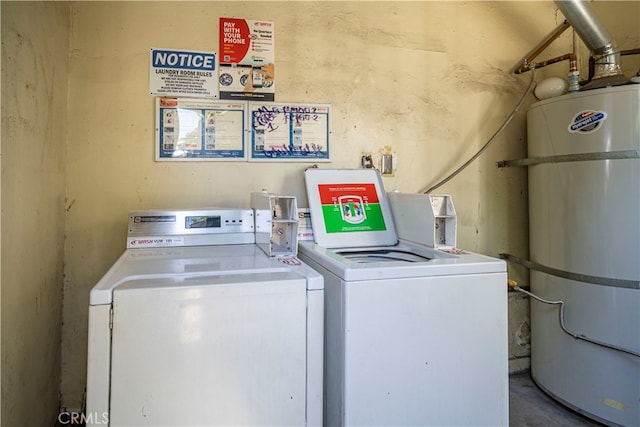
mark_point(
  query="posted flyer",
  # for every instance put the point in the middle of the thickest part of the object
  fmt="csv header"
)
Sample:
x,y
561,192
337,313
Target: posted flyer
x,y
200,129
247,60
290,132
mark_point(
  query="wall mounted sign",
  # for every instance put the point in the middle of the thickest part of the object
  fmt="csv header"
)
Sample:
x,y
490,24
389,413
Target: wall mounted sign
x,y
247,59
200,129
183,73
351,207
290,132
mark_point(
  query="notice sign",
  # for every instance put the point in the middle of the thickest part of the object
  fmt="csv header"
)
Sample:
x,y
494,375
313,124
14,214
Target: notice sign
x,y
247,59
183,73
351,207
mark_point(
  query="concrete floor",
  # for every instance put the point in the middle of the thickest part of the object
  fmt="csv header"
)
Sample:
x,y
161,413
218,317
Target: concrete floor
x,y
529,406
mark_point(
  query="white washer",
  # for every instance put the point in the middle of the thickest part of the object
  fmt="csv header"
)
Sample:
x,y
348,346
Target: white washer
x,y
413,335
213,334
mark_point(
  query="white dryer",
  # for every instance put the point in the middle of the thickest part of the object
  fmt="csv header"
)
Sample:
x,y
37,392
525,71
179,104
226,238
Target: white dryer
x,y
413,335
195,325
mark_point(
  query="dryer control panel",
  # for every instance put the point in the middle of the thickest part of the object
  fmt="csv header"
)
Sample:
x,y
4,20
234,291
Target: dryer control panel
x,y
197,227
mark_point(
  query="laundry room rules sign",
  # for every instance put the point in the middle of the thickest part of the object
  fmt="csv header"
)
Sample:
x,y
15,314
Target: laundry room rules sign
x,y
351,207
184,73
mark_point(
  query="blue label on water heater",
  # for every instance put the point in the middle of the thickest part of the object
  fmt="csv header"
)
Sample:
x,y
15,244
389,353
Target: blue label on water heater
x,y
587,121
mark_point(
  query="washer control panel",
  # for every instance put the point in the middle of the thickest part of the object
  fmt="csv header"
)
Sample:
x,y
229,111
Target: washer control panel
x,y
190,227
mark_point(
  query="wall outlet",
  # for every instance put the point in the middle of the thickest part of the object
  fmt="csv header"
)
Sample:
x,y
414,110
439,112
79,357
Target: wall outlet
x,y
386,164
366,161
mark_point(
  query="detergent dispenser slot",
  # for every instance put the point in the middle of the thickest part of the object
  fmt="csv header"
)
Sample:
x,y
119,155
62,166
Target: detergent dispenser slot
x,y
445,221
427,219
276,223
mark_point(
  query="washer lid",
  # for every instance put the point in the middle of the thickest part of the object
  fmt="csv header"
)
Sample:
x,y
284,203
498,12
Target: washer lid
x,y
193,262
349,208
405,260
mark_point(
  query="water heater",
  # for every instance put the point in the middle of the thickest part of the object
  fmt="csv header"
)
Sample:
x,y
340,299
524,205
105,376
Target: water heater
x,y
584,209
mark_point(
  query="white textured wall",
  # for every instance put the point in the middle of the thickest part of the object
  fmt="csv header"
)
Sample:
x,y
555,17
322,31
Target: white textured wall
x,y
35,46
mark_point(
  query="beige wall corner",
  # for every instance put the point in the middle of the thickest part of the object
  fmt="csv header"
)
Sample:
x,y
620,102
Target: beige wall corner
x,y
35,43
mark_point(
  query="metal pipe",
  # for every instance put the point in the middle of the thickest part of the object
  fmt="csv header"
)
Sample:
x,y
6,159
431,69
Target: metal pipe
x,y
528,63
594,35
581,16
574,334
566,56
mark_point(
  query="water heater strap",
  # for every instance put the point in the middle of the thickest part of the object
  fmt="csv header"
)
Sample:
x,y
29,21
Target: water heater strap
x,y
577,157
596,280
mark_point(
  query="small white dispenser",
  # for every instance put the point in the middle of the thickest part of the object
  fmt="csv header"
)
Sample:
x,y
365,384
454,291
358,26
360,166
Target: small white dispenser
x,y
276,223
427,219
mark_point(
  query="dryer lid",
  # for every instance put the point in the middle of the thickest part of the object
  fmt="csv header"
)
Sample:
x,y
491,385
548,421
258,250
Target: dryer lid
x,y
349,208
